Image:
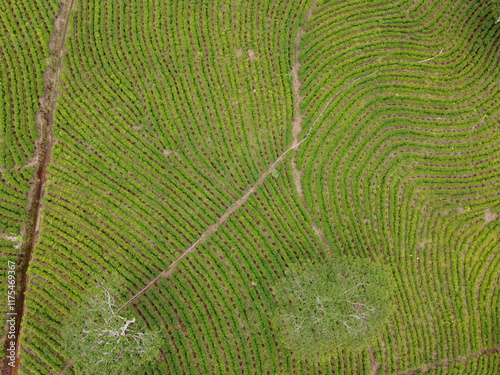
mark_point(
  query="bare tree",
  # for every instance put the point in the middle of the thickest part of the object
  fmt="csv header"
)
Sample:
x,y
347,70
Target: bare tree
x,y
104,342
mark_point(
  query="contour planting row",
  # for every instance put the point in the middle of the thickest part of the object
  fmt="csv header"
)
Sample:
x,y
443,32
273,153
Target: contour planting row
x,y
161,125
320,64
52,275
25,32
25,29
208,282
405,173
343,65
358,221
395,141
248,263
203,117
490,173
145,162
14,186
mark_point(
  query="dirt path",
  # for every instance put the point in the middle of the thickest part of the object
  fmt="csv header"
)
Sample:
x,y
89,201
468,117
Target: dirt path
x,y
43,146
297,123
374,365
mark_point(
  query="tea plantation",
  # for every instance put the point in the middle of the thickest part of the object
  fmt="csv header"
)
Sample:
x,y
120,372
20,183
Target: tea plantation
x,y
247,136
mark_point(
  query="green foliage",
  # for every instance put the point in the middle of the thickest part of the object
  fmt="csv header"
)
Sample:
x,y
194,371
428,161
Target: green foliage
x,y
13,188
24,36
163,120
103,342
338,303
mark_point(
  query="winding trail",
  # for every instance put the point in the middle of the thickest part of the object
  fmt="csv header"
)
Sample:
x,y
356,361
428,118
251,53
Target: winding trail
x,y
374,365
297,122
44,120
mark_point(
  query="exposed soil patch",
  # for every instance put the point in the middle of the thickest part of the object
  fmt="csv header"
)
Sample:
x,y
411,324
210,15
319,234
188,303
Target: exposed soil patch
x,y
297,178
374,365
490,216
44,120
167,152
422,244
251,55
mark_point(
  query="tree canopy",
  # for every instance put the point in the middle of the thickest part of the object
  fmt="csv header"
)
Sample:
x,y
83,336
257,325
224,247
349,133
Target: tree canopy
x,y
103,342
320,307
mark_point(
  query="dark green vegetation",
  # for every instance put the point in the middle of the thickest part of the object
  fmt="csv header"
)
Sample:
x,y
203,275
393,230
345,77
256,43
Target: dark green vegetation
x,y
169,110
331,305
